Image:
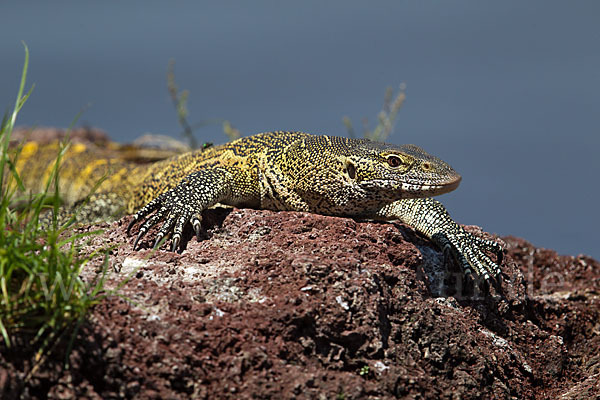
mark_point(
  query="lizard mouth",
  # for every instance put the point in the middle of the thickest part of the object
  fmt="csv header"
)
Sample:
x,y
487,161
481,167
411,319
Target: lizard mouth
x,y
416,188
450,185
420,189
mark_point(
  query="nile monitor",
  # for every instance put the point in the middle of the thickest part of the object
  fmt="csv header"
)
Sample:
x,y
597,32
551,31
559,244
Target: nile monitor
x,y
291,171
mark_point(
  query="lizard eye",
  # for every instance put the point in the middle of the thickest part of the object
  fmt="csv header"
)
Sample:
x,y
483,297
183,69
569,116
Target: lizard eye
x,y
394,161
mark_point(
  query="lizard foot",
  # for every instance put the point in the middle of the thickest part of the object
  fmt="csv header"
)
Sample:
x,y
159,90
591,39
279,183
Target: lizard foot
x,y
174,210
469,251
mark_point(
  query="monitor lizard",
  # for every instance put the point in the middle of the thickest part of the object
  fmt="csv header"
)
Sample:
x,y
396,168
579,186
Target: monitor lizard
x,y
281,171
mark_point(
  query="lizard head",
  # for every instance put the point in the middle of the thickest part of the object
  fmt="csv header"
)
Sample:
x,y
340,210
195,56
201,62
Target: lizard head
x,y
398,171
341,176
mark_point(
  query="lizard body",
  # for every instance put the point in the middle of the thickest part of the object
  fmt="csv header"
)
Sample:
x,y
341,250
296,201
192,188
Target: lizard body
x,y
298,172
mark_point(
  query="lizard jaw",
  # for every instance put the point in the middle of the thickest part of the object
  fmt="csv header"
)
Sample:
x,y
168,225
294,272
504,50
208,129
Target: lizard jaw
x,y
448,187
430,190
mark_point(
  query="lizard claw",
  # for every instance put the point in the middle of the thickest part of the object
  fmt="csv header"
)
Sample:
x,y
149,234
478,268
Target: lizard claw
x,y
197,224
165,229
175,244
157,241
137,239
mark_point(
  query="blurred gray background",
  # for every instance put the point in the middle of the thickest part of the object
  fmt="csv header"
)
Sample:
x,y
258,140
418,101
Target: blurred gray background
x,y
508,92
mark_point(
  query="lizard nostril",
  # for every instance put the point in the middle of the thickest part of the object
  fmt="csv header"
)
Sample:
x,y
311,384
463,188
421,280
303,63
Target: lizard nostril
x,y
426,166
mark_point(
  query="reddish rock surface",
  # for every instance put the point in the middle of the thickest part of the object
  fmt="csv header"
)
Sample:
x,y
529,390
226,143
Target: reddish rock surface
x,y
296,305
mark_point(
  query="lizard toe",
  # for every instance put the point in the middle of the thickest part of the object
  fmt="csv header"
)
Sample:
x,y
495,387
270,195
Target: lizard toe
x,y
492,247
144,212
139,237
178,230
149,223
197,225
165,230
175,242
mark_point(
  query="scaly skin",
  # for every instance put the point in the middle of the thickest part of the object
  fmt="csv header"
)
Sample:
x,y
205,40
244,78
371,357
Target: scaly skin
x,y
118,167
320,174
292,171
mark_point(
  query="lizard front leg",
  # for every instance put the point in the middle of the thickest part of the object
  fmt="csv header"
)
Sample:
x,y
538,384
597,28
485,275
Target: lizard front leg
x,y
186,201
429,217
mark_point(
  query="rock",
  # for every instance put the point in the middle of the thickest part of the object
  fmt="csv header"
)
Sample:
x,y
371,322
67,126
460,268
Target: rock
x,y
45,135
145,149
297,305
